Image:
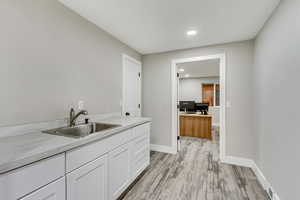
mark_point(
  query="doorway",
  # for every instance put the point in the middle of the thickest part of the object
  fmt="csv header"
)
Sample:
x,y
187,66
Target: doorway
x,y
131,101
214,94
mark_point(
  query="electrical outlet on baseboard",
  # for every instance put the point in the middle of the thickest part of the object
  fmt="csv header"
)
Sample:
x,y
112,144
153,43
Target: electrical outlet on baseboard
x,y
271,193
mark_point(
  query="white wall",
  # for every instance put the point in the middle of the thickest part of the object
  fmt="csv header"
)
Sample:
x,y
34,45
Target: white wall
x,y
277,70
51,58
215,112
190,89
240,140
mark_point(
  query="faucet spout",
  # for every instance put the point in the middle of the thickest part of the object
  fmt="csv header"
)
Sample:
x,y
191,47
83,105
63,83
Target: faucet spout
x,y
74,116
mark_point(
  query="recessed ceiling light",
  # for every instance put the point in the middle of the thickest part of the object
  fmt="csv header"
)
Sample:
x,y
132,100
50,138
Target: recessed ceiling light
x,y
187,75
181,70
191,32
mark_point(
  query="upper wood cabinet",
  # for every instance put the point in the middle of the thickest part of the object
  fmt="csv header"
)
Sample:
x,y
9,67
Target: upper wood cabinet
x,y
89,182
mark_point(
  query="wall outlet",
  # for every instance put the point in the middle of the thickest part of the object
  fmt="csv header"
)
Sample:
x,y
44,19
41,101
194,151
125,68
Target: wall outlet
x,y
80,105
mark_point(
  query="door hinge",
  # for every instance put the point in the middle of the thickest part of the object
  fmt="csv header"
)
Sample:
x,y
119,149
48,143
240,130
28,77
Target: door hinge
x,y
178,137
177,74
139,106
139,74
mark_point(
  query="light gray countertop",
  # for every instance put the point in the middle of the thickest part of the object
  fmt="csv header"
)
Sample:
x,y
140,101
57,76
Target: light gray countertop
x,y
20,150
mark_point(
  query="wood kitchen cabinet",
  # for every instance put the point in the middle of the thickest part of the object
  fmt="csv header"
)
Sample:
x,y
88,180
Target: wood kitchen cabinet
x,y
194,125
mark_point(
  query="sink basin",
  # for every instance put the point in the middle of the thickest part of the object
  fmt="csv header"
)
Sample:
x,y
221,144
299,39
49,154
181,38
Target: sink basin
x,y
81,130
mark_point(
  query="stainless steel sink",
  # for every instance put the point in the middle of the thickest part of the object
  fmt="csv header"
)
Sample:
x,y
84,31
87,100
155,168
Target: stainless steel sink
x,y
81,130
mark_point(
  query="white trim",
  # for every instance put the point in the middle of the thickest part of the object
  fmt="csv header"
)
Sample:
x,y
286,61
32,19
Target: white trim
x,y
251,164
215,97
222,83
124,57
216,124
232,160
260,176
263,181
162,148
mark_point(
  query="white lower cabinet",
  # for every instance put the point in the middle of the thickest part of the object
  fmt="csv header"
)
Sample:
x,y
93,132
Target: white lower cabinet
x,y
119,162
53,191
101,170
89,182
140,156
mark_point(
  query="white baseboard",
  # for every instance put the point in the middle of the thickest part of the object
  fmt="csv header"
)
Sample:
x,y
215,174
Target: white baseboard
x,y
251,164
263,181
244,162
232,160
260,176
162,148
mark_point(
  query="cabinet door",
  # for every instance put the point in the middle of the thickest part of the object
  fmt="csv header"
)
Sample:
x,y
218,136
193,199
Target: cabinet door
x,y
89,182
119,171
140,156
53,191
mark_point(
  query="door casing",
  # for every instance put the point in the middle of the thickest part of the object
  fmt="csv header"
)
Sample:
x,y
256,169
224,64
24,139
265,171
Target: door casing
x,y
174,89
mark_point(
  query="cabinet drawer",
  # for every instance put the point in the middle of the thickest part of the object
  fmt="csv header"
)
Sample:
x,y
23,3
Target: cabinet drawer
x,y
141,130
82,155
119,139
53,191
17,183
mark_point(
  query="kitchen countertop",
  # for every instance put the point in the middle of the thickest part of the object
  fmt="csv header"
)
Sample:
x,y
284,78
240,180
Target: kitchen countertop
x,y
194,115
20,150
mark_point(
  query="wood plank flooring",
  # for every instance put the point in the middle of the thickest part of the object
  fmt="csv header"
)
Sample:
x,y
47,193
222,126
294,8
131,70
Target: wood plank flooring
x,y
195,174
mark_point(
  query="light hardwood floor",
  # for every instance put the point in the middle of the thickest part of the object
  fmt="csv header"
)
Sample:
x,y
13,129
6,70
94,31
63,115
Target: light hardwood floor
x,y
195,174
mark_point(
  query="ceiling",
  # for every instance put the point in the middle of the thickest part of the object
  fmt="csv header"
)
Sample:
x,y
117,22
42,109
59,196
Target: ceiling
x,y
205,68
152,26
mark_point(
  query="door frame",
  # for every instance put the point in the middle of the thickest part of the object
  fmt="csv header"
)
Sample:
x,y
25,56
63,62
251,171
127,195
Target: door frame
x,y
174,87
124,57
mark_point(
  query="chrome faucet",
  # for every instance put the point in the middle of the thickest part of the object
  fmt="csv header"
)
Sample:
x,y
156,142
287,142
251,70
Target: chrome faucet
x,y
74,116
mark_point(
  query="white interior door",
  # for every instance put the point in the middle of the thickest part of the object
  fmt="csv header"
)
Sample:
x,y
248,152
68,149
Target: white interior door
x,y
131,102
